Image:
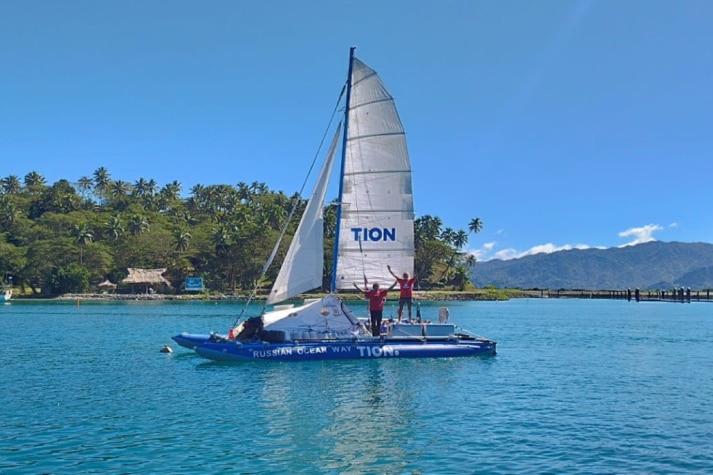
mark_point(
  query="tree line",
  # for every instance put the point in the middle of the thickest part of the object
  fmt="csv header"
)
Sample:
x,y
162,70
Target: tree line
x,y
69,236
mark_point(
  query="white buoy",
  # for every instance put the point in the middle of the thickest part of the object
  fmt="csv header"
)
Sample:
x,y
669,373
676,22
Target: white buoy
x,y
166,349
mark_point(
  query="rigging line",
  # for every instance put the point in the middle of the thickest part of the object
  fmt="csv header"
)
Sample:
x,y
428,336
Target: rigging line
x,y
292,211
363,267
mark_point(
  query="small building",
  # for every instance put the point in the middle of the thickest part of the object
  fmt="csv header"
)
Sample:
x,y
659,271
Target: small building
x,y
106,286
147,280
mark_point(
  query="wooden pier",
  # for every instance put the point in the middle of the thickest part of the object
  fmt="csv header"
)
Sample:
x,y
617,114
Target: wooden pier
x,y
684,295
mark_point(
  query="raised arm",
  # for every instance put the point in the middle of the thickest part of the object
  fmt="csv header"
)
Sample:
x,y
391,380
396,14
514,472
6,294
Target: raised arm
x,y
357,287
393,285
388,267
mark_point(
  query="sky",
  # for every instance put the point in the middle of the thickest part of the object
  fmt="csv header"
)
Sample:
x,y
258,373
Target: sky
x,y
559,123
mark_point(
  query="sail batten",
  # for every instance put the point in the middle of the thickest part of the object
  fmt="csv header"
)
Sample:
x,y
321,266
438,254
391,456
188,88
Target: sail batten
x,y
371,173
386,134
375,101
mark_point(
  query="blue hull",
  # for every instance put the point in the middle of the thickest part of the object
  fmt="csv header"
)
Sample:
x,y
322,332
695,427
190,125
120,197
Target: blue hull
x,y
190,340
343,350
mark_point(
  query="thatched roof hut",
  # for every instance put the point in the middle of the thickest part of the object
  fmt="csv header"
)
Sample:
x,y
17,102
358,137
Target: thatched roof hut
x,y
146,277
106,285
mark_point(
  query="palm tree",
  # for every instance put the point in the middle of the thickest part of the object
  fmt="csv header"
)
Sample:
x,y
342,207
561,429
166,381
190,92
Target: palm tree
x,y
180,216
138,225
221,238
114,228
11,185
197,190
448,236
169,195
258,188
330,219
243,192
119,189
428,227
461,278
151,187
171,190
460,239
475,225
182,238
34,181
140,187
102,178
82,237
470,260
9,214
150,202
85,184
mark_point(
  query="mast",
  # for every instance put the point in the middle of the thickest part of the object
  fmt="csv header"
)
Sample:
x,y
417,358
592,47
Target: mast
x,y
341,172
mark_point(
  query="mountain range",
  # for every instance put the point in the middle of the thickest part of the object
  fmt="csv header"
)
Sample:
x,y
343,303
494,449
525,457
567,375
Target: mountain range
x,y
648,266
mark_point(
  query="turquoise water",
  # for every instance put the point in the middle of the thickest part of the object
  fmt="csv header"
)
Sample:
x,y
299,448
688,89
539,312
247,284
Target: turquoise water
x,y
578,386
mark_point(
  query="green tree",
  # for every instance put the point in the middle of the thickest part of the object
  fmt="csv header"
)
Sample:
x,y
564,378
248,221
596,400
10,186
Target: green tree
x,y
34,182
44,255
114,227
9,214
182,239
475,225
72,278
448,236
85,184
82,237
102,178
460,277
141,187
61,197
138,225
11,185
460,239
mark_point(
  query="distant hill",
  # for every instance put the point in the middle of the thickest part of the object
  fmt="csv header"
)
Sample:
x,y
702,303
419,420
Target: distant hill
x,y
648,266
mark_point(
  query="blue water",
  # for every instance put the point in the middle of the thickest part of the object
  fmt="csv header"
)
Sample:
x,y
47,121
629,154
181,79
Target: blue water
x,y
578,386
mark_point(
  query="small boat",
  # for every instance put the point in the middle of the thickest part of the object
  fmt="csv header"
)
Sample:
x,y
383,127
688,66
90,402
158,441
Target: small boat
x,y
375,227
7,290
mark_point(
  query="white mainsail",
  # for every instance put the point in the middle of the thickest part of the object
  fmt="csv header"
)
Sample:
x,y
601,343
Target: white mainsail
x,y
304,263
376,225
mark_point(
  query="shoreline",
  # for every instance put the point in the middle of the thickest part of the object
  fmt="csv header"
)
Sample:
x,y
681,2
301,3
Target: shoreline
x,y
489,294
480,294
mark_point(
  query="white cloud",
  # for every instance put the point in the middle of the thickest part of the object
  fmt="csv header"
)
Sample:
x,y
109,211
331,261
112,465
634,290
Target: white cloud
x,y
641,235
484,253
550,248
505,255
480,254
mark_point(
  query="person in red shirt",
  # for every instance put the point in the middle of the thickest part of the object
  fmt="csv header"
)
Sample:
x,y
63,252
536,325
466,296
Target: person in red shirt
x,y
376,305
406,295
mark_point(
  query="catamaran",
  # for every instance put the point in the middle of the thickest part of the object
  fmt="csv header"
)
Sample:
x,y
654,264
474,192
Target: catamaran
x,y
374,228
